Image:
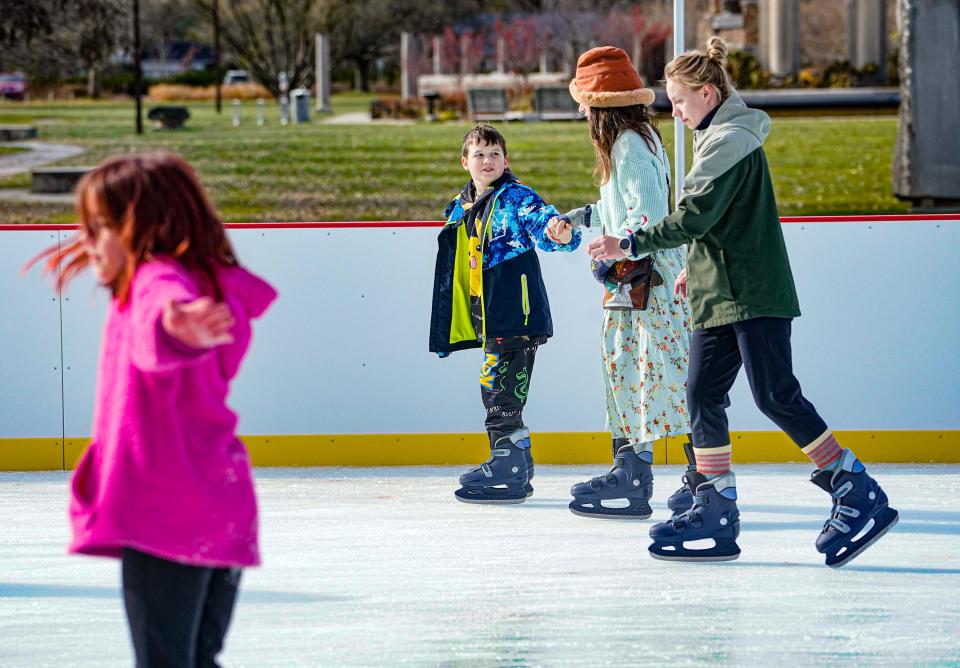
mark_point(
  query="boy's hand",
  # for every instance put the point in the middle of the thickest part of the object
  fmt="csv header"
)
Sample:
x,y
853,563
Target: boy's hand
x,y
680,285
606,248
201,323
559,230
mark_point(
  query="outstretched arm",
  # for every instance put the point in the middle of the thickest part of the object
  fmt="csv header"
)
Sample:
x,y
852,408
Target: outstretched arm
x,y
201,323
535,216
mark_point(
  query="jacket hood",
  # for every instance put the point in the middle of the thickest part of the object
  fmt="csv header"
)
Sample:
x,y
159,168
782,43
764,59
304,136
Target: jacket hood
x,y
733,115
253,293
735,132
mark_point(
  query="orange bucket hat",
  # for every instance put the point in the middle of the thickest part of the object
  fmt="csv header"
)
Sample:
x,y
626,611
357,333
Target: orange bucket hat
x,y
606,78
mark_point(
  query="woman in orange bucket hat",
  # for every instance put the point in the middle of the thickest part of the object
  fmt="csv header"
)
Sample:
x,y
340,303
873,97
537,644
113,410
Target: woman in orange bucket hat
x,y
644,347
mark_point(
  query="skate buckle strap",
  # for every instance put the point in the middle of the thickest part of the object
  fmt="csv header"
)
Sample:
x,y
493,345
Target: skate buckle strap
x,y
501,452
842,490
599,481
840,510
608,478
689,516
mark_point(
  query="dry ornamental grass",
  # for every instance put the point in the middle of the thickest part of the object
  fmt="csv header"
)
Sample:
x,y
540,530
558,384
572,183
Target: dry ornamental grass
x,y
170,92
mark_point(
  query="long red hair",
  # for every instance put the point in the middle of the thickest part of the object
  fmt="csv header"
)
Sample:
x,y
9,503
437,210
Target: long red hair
x,y
155,204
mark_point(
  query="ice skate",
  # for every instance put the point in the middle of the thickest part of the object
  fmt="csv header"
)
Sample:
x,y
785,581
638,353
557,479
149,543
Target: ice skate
x,y
714,515
630,480
527,487
502,478
682,500
860,515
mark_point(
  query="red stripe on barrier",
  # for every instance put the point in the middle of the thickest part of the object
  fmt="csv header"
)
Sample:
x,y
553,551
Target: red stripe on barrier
x,y
865,218
347,224
402,224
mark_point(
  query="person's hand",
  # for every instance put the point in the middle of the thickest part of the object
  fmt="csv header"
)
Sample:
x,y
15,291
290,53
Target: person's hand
x,y
606,248
680,285
201,323
559,230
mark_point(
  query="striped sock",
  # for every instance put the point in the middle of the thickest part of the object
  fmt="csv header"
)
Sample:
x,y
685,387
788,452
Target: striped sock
x,y
713,461
824,450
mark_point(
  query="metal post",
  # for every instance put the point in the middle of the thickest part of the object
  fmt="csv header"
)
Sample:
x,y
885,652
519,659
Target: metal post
x,y
408,82
218,97
322,43
866,34
137,69
679,132
283,85
437,57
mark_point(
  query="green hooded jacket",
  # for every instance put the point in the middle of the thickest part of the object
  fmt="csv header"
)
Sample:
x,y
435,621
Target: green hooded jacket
x,y
737,265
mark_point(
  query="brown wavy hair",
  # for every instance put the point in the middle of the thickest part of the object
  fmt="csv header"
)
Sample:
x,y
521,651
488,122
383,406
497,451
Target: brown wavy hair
x,y
155,204
608,123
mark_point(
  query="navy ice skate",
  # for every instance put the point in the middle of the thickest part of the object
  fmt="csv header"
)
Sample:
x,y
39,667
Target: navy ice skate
x,y
527,487
503,477
631,479
682,500
860,515
714,515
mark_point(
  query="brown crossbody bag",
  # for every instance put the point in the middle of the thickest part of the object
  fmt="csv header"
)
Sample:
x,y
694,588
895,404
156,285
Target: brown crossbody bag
x,y
633,280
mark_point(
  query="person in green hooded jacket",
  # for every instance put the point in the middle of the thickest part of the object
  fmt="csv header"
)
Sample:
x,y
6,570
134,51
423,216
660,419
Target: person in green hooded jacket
x,y
742,299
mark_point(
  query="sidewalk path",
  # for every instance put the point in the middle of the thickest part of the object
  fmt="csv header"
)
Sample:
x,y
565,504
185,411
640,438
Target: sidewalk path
x,y
38,153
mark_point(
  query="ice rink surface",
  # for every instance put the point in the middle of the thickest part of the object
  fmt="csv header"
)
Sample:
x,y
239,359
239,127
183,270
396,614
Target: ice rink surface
x,y
383,567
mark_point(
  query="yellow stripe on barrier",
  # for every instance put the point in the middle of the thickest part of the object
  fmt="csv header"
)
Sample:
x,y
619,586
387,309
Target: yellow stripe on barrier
x,y
937,447
31,454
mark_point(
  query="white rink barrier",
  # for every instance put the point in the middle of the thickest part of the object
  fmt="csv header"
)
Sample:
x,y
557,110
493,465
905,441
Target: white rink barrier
x,y
344,349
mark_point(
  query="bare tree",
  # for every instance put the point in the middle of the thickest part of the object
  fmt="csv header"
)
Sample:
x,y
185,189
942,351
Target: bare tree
x,y
23,21
269,37
98,27
365,30
64,35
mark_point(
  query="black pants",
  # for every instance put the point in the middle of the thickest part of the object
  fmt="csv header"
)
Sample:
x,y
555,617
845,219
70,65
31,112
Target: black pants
x,y
504,382
178,614
762,347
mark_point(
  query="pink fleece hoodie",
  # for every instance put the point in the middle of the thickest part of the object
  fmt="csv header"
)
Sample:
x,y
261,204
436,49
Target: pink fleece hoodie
x,y
165,473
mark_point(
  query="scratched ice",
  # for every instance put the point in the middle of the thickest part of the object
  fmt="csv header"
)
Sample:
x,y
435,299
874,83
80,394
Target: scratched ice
x,y
383,567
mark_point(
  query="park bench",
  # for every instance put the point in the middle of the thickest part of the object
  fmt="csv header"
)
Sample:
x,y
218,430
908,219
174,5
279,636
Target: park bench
x,y
553,103
17,132
56,179
168,117
490,104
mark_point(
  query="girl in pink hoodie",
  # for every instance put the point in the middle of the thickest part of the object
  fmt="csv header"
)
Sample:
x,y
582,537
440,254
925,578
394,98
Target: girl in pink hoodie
x,y
165,484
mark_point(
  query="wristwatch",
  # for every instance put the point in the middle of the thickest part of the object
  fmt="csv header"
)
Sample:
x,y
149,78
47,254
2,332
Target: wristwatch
x,y
626,245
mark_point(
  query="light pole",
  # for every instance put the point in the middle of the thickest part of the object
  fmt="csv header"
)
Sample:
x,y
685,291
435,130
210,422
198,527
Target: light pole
x,y
137,72
679,132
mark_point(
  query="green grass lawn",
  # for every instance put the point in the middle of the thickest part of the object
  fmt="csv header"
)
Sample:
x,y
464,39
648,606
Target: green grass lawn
x,y
322,171
10,150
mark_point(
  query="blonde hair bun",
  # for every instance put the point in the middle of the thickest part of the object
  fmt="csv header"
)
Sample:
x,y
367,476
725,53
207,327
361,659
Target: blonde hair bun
x,y
717,50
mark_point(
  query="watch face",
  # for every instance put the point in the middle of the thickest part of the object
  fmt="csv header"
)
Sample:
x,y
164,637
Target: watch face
x,y
625,244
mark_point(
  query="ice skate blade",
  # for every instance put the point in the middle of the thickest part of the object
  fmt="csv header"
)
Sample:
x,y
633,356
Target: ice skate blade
x,y
607,515
501,498
673,557
491,502
880,533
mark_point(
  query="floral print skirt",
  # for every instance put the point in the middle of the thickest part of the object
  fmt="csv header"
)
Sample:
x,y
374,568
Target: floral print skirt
x,y
645,356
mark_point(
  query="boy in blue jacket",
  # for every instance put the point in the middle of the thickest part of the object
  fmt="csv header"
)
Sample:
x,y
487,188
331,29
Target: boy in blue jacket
x,y
488,293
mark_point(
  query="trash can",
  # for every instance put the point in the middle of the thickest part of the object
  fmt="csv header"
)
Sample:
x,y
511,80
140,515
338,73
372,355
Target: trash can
x,y
300,105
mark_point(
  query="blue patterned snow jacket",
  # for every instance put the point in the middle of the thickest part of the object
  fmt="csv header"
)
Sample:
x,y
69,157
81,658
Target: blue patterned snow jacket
x,y
513,299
